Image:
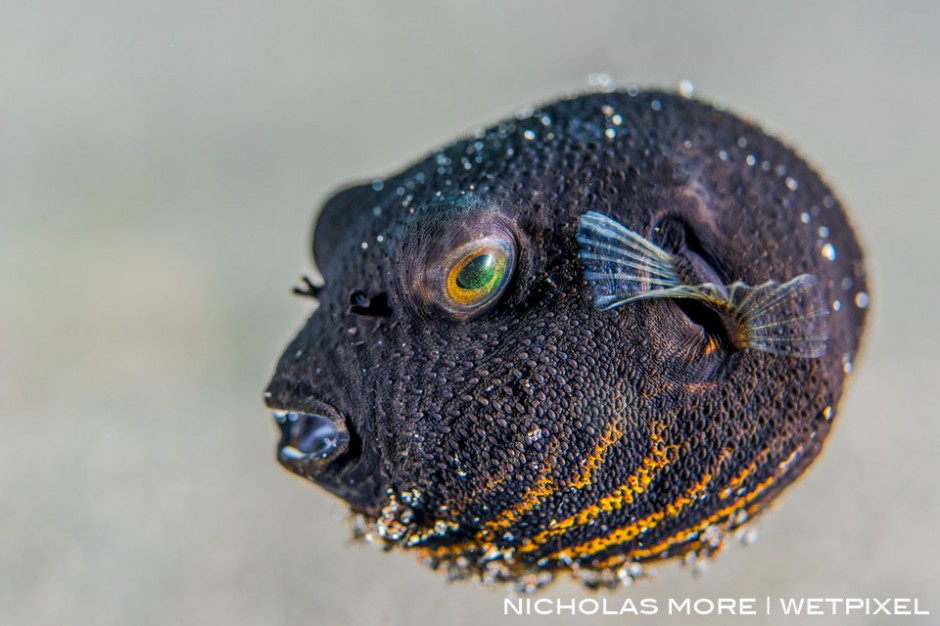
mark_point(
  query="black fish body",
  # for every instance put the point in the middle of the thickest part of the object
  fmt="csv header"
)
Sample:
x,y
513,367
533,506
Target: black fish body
x,y
460,386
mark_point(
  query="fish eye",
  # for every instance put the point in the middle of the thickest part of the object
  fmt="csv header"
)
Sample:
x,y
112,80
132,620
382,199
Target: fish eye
x,y
474,275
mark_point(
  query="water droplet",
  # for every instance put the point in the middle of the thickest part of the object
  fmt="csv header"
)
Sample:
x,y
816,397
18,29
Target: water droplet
x,y
377,185
742,142
846,283
656,105
827,413
823,232
686,88
829,202
847,367
750,160
805,218
791,183
722,155
610,133
525,112
633,90
376,211
364,245
379,238
529,134
861,300
616,119
828,251
837,305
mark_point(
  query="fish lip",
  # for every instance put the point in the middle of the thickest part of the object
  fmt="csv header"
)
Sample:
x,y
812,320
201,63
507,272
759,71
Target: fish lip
x,y
312,438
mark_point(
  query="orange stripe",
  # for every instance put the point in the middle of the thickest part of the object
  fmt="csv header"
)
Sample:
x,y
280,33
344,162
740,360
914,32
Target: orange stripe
x,y
544,487
631,531
622,496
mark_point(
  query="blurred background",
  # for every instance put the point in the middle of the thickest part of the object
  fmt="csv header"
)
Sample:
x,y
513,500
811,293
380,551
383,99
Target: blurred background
x,y
160,165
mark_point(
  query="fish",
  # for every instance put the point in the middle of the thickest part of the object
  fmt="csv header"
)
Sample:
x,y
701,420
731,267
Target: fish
x,y
604,333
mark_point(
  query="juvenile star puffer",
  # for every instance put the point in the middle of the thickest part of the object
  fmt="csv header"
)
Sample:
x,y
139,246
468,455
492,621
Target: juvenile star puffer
x,y
601,333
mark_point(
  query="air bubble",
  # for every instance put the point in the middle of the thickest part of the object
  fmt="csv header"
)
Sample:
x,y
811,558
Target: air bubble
x,y
601,80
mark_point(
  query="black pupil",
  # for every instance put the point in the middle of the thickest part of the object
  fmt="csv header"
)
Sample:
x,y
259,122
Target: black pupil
x,y
477,273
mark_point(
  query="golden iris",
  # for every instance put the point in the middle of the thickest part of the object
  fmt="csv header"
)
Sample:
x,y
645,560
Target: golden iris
x,y
477,276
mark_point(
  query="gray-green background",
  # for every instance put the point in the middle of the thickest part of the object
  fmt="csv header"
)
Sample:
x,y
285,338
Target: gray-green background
x,y
159,167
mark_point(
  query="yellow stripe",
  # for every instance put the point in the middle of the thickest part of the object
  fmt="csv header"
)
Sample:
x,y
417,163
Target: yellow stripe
x,y
544,487
631,531
662,456
685,535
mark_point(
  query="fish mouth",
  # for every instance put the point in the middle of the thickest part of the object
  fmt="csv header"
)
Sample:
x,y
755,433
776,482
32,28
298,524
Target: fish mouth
x,y
311,440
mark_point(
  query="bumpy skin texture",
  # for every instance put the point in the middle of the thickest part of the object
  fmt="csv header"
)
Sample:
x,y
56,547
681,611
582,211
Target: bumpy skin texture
x,y
546,434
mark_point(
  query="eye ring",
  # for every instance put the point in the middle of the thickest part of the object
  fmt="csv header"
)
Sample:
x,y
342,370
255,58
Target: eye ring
x,y
473,276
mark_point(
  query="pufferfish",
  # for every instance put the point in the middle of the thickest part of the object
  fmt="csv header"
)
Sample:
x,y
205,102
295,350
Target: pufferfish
x,y
605,332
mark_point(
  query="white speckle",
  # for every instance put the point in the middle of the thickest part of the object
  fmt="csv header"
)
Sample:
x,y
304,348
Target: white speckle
x,y
616,119
377,185
352,330
534,435
791,183
510,152
722,155
805,218
364,245
601,80
529,134
861,300
742,142
686,88
610,133
750,160
298,354
656,105
525,112
828,251
837,305
379,238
